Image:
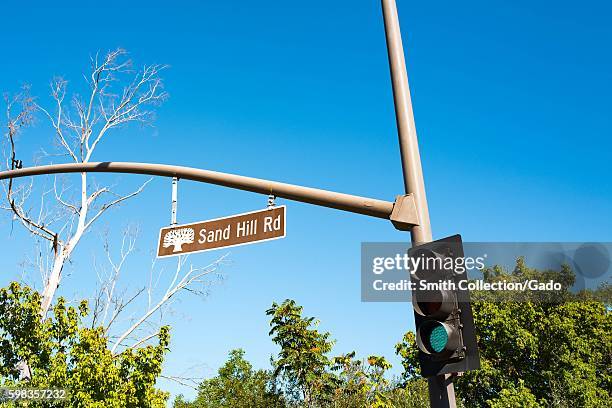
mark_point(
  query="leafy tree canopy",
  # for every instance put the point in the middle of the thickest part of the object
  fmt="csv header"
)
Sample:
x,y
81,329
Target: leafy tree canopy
x,y
537,350
62,353
236,385
302,363
548,350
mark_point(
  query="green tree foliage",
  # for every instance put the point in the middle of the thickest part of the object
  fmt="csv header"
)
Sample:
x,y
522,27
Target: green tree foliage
x,y
61,353
302,366
361,383
537,350
545,350
236,385
311,378
409,353
515,396
413,394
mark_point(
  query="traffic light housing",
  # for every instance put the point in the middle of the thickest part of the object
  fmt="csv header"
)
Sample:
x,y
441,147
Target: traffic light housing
x,y
445,332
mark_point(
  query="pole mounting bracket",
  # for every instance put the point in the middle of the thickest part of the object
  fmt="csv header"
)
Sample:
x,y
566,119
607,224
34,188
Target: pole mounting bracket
x,y
404,215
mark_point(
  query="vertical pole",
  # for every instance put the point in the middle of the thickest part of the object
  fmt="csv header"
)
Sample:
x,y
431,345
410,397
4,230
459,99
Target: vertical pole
x,y
441,391
409,145
174,200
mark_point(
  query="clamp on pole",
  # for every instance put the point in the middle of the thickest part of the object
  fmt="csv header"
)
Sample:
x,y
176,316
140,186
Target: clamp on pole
x,y
404,215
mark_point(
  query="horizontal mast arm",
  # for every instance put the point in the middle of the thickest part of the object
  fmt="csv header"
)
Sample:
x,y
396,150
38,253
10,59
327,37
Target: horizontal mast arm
x,y
331,199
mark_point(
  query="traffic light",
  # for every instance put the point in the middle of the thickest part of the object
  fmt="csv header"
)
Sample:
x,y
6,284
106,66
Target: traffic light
x,y
442,312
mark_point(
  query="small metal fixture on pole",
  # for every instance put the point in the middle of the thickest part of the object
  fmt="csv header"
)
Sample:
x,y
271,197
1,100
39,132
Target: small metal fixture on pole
x,y
441,391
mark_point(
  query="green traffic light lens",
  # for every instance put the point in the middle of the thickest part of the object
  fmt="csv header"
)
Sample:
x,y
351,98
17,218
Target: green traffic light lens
x,y
438,338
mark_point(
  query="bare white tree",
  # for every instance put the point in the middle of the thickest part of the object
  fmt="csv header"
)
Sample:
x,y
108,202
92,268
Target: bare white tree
x,y
131,319
79,128
58,217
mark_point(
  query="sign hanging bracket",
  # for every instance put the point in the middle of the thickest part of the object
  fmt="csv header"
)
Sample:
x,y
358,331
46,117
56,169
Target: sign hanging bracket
x,y
174,200
271,203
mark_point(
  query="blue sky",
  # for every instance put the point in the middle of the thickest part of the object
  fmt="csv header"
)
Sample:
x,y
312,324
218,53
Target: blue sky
x,y
512,105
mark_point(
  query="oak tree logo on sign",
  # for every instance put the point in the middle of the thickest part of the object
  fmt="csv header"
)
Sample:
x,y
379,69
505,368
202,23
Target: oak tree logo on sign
x,y
178,237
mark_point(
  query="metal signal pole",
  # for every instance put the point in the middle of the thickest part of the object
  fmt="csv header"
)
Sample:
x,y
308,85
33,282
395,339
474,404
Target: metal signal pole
x,y
441,391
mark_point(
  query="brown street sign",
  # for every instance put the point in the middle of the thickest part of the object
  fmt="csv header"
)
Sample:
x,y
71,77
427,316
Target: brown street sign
x,y
241,229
